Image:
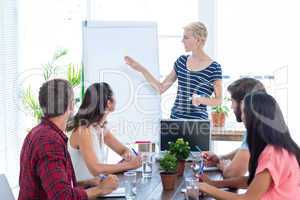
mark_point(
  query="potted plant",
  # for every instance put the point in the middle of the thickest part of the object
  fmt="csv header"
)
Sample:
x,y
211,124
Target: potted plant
x,y
181,150
219,113
168,165
54,68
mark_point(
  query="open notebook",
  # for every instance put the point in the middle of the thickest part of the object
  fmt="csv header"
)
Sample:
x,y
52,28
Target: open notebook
x,y
119,192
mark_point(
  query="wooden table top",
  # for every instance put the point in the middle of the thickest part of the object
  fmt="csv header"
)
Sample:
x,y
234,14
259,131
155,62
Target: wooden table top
x,y
227,133
151,189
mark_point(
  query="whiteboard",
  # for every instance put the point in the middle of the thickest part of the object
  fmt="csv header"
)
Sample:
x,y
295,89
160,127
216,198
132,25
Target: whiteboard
x,y
138,108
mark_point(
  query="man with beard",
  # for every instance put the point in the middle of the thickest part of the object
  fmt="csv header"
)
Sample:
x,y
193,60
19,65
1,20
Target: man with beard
x,y
239,158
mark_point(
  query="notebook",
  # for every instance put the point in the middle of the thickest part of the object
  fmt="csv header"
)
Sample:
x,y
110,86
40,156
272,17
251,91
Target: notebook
x,y
119,192
140,169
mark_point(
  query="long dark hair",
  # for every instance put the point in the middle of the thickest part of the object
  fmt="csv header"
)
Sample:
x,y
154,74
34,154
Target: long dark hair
x,y
265,125
93,106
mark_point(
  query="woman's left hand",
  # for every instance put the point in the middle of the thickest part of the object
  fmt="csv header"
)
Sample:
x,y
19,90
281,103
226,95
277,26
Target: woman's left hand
x,y
197,100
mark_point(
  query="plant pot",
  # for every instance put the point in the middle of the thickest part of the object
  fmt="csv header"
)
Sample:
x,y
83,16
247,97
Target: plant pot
x,y
180,167
168,180
218,119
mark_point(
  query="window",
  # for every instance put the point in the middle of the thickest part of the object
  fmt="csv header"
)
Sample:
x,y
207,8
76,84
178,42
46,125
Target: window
x,y
28,39
244,42
259,39
46,26
8,106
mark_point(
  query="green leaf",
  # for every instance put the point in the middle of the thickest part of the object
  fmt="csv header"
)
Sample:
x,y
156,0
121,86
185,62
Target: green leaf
x,y
168,163
31,104
59,53
74,74
221,108
180,149
52,70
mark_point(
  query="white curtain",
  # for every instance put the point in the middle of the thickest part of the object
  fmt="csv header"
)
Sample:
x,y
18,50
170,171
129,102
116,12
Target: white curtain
x,y
9,145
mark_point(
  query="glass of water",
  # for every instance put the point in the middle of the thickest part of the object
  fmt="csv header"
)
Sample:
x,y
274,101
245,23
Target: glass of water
x,y
192,189
130,185
147,162
197,167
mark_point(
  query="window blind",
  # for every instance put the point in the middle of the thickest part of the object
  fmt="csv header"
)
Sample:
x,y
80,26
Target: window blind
x,y
9,148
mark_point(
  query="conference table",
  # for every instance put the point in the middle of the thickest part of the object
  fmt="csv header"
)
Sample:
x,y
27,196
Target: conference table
x,y
227,133
151,189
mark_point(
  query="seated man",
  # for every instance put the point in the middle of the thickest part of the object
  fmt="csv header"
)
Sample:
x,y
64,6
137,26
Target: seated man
x,y
46,170
239,158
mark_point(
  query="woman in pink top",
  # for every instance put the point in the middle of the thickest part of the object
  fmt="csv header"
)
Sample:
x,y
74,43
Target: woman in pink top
x,y
274,172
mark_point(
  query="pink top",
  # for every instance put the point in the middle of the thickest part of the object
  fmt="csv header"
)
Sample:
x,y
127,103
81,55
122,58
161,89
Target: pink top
x,y
285,173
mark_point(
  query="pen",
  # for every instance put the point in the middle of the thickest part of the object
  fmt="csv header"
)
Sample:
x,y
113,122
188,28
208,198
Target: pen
x,y
134,152
102,177
198,148
201,167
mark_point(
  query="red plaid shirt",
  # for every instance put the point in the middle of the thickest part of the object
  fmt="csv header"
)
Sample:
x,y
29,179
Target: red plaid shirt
x,y
46,170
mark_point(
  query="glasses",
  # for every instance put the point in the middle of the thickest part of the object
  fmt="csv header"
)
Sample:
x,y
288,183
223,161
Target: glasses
x,y
192,189
130,185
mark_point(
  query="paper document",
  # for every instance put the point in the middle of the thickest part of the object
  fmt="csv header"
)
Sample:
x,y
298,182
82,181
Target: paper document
x,y
140,169
119,192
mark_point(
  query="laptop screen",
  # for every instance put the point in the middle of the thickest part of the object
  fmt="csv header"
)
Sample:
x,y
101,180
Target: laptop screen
x,y
196,132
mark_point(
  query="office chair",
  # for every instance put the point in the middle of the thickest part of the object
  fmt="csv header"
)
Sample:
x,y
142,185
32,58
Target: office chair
x,y
5,191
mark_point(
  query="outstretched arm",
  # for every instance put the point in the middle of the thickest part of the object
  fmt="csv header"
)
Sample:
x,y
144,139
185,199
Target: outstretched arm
x,y
160,87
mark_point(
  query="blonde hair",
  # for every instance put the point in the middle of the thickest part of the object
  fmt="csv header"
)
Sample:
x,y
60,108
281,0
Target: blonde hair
x,y
198,29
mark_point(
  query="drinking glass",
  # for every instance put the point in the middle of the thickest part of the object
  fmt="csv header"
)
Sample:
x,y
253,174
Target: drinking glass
x,y
192,189
130,185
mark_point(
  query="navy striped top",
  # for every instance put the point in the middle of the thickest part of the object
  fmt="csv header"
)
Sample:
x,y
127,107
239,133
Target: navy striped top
x,y
189,82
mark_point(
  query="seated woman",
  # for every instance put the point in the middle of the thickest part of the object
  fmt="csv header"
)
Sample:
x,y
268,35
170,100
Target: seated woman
x,y
274,171
90,135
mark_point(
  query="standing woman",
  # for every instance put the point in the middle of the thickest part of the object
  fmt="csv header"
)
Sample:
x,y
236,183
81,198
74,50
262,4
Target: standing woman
x,y
274,166
198,76
91,136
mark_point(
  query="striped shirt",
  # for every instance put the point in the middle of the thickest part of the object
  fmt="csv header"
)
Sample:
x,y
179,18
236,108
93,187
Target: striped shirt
x,y
189,82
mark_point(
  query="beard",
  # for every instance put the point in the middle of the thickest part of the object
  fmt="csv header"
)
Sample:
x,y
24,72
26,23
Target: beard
x,y
238,114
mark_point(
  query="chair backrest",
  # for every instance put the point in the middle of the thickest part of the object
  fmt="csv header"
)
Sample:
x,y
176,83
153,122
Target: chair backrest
x,y
5,191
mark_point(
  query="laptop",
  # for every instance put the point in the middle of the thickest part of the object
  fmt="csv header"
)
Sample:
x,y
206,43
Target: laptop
x,y
196,132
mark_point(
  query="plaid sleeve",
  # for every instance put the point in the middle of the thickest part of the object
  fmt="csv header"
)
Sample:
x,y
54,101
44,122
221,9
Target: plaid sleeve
x,y
53,173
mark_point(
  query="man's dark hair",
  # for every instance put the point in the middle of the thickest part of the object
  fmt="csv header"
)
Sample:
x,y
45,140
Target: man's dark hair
x,y
239,88
55,96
